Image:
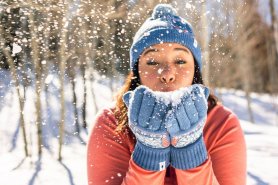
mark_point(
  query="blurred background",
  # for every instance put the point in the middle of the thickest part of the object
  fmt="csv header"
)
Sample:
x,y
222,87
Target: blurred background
x,y
63,61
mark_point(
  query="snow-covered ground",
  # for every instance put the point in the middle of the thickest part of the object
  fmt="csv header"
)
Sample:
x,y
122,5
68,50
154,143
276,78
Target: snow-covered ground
x,y
260,137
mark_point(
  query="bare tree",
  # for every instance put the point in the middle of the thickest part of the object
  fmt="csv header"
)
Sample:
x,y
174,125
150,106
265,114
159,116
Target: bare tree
x,y
64,23
37,63
84,104
71,71
273,49
274,29
9,58
205,43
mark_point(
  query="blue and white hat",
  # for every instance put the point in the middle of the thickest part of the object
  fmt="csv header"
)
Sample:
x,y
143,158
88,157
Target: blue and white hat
x,y
164,26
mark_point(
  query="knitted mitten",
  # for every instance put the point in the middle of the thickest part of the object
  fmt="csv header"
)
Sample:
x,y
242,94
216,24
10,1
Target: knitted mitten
x,y
146,114
185,124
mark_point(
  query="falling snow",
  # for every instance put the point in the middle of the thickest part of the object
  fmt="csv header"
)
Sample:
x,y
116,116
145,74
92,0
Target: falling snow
x,y
89,43
16,49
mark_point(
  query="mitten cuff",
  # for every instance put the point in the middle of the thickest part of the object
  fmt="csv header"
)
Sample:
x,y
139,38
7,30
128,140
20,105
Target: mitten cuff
x,y
190,156
154,159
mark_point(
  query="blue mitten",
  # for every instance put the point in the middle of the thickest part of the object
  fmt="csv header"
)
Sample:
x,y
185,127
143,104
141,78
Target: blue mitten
x,y
185,124
146,114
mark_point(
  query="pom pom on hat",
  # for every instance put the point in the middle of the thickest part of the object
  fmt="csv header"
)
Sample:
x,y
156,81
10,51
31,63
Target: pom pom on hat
x,y
161,10
164,26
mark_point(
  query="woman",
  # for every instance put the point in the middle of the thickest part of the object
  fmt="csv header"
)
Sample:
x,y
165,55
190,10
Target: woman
x,y
165,127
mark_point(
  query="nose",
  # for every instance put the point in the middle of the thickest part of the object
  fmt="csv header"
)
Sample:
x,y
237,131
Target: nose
x,y
167,74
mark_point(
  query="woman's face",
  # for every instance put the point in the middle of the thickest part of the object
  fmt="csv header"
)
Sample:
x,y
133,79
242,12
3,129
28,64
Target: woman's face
x,y
166,67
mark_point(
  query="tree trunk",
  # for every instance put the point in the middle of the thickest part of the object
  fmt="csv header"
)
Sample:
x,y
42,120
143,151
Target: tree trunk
x,y
45,67
83,69
62,93
74,101
84,66
273,49
92,51
205,43
20,99
37,65
274,60
273,30
250,112
245,69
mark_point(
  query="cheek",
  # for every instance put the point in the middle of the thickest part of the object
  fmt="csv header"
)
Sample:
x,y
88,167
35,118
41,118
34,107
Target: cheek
x,y
147,75
186,75
148,72
186,70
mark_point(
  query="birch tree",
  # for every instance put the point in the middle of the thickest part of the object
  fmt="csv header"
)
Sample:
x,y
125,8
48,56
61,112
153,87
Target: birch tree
x,y
273,57
38,83
7,53
205,43
62,63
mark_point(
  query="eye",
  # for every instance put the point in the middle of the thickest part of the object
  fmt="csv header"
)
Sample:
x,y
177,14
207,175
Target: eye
x,y
152,62
180,61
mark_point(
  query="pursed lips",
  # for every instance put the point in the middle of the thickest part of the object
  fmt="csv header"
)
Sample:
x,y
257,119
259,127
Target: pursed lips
x,y
166,88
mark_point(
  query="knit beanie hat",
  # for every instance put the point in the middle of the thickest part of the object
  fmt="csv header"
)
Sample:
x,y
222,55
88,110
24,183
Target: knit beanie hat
x,y
164,26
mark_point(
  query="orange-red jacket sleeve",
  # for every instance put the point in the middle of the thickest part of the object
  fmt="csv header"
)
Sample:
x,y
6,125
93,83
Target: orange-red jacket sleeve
x,y
202,175
109,157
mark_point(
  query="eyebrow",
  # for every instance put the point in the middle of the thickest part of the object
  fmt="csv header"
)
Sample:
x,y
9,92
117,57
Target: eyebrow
x,y
182,49
156,50
150,50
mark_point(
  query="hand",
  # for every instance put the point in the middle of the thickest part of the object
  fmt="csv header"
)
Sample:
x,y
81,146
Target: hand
x,y
185,124
146,114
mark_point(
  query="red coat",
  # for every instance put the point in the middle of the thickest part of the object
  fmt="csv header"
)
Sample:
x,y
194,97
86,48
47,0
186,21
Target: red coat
x,y
109,155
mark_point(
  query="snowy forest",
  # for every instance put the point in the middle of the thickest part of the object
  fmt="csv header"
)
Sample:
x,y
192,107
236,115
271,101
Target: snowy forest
x,y
63,61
